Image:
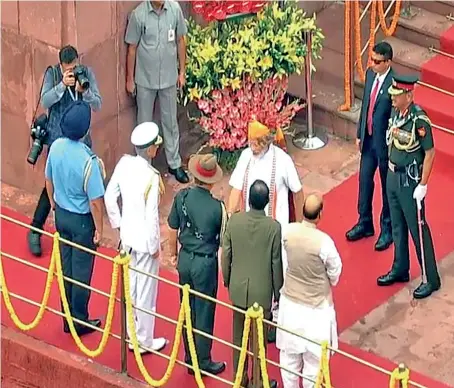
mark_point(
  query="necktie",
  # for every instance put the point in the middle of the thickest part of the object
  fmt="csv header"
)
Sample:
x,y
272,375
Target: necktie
x,y
370,112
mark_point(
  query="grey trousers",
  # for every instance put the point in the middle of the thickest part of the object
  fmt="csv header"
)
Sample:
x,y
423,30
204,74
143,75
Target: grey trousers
x,y
168,108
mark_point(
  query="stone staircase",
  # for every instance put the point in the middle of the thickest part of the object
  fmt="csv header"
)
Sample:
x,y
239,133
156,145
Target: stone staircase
x,y
414,36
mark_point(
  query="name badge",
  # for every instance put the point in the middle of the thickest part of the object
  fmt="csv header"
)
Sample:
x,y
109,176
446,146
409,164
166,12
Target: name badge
x,y
171,36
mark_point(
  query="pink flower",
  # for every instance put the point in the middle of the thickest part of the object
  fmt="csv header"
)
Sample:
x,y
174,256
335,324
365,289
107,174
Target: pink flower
x,y
204,106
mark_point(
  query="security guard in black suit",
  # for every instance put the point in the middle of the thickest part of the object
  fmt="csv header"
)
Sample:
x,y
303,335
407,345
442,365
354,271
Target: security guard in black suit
x,y
411,156
199,220
371,139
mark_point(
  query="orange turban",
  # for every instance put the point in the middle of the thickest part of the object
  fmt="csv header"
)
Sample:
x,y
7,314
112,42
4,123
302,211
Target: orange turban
x,y
257,130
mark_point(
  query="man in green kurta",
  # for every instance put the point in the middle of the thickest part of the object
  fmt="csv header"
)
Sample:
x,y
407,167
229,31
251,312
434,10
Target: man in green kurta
x,y
411,156
252,263
198,220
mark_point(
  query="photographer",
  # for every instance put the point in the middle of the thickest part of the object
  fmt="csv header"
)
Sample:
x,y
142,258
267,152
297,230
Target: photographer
x,y
63,84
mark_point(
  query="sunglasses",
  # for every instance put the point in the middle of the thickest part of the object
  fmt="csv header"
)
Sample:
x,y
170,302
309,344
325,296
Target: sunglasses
x,y
378,61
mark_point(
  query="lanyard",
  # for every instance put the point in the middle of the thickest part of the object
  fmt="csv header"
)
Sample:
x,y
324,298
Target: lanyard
x,y
74,97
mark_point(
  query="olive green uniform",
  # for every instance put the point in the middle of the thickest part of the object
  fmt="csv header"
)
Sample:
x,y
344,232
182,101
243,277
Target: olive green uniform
x,y
409,137
200,220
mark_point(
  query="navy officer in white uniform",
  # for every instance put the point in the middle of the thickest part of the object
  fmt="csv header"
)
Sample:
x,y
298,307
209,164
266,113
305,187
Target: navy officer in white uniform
x,y
140,186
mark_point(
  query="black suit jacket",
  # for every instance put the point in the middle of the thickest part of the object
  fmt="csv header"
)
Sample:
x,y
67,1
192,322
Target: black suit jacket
x,y
381,115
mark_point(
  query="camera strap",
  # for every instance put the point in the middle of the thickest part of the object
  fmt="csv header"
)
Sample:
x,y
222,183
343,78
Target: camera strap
x,y
54,76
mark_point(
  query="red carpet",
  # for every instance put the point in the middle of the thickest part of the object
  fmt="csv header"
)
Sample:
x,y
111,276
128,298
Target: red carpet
x,y
439,106
356,295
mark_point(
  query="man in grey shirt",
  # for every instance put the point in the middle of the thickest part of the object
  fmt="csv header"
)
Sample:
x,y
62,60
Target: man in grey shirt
x,y
155,67
60,88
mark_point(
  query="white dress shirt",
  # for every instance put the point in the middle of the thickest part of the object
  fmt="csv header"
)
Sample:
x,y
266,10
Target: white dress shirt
x,y
134,179
380,79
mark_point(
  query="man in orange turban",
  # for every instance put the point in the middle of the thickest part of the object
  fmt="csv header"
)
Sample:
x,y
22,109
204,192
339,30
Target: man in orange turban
x,y
273,165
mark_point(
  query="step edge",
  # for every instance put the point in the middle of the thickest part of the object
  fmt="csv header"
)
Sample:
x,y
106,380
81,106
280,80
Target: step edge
x,y
406,23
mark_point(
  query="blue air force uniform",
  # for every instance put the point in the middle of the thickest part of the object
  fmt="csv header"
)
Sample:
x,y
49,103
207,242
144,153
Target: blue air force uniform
x,y
75,175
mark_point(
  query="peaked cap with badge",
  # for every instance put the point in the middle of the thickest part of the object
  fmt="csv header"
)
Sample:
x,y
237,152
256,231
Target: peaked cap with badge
x,y
402,84
145,135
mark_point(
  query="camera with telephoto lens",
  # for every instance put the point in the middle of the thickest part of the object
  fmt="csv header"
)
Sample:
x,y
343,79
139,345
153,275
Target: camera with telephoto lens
x,y
80,74
39,135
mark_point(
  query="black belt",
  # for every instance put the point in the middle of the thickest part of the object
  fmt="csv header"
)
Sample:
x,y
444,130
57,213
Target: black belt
x,y
399,169
206,255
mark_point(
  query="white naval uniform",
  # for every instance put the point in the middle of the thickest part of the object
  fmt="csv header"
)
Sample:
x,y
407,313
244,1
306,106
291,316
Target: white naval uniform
x,y
317,323
261,167
134,179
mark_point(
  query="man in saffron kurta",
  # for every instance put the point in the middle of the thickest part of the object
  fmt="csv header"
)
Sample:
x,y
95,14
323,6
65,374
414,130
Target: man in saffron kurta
x,y
263,160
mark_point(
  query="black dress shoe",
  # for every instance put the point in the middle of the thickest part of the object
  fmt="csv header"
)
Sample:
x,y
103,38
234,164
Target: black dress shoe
x,y
272,335
424,290
359,231
83,330
384,241
392,277
179,174
213,368
34,243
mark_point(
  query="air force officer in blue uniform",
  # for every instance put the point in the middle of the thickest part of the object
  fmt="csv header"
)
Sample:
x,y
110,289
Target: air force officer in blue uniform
x,y
74,181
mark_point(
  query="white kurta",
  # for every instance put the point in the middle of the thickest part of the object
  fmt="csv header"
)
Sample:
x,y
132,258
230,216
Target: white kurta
x,y
260,167
316,323
138,185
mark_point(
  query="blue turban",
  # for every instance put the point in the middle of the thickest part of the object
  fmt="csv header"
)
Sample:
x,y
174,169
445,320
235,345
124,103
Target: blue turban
x,y
75,121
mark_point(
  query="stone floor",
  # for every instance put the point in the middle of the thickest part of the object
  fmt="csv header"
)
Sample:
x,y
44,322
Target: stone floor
x,y
420,335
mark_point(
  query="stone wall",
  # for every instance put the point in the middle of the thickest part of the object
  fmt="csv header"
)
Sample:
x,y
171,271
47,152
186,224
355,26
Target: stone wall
x,y
32,33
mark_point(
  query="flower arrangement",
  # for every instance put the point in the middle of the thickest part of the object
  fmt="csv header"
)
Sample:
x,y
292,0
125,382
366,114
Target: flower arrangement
x,y
219,10
238,68
226,114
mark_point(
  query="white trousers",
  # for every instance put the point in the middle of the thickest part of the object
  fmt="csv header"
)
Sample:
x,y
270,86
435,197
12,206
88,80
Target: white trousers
x,y
275,306
144,292
307,363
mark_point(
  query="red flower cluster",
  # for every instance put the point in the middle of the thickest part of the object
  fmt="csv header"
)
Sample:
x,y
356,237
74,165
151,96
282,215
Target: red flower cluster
x,y
227,114
219,10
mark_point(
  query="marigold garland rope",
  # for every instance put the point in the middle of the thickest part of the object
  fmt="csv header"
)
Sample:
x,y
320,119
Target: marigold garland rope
x,y
376,5
347,58
395,19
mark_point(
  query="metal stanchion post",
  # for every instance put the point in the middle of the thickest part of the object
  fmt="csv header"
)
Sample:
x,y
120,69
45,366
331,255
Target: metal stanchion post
x,y
309,140
401,370
124,344
256,380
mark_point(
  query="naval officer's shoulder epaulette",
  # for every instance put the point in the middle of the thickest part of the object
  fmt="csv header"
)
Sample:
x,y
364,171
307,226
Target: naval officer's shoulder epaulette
x,y
154,170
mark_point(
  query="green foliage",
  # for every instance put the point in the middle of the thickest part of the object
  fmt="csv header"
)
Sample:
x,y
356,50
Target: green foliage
x,y
261,46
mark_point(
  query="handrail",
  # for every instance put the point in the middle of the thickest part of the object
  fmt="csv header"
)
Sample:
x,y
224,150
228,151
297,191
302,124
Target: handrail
x,y
377,27
450,131
433,49
352,357
425,84
105,257
366,8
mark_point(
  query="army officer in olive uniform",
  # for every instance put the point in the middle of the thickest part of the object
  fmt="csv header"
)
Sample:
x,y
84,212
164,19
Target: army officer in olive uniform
x,y
411,156
199,221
